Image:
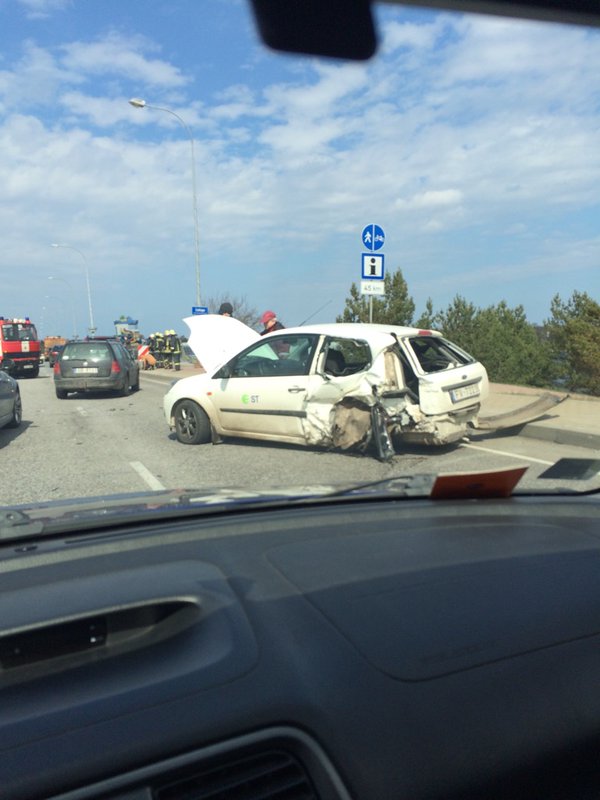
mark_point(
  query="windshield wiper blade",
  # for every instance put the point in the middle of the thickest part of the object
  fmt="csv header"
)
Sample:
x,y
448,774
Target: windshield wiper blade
x,y
398,485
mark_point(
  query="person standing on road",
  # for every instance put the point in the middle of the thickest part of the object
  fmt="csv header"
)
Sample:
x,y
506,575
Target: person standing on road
x,y
160,349
226,310
175,346
270,322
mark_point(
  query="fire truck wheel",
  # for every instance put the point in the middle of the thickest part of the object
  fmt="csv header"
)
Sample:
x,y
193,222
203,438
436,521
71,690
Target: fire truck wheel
x,y
34,372
17,414
61,394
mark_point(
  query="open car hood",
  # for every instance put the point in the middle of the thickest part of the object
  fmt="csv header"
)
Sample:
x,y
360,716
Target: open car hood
x,y
215,339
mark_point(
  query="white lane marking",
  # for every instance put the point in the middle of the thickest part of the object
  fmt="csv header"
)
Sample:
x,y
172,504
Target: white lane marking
x,y
509,455
146,475
81,410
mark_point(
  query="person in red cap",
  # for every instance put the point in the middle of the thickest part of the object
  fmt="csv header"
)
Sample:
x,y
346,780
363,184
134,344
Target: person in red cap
x,y
270,323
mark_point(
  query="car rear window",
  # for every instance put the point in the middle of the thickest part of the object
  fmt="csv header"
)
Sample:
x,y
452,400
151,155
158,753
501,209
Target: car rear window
x,y
96,351
435,354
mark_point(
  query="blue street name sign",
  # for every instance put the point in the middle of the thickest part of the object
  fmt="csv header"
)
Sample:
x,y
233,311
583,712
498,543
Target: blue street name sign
x,y
199,310
373,237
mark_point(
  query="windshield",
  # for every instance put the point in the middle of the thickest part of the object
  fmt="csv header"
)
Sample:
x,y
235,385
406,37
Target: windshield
x,y
388,267
17,332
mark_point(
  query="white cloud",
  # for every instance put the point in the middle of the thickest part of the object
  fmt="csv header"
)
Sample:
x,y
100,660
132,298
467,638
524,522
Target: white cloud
x,y
115,54
34,79
40,9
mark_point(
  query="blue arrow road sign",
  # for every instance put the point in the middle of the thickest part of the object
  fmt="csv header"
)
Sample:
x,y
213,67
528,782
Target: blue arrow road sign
x,y
373,237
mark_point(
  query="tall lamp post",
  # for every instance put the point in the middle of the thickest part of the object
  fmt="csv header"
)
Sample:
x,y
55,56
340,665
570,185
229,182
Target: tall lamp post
x,y
92,328
137,102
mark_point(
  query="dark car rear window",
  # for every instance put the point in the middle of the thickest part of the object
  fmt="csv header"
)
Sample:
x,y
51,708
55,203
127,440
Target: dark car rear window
x,y
89,351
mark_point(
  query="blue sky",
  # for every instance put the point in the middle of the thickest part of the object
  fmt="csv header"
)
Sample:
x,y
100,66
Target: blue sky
x,y
474,142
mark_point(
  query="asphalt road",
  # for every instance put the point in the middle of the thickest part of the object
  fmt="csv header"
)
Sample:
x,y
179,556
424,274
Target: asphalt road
x,y
91,445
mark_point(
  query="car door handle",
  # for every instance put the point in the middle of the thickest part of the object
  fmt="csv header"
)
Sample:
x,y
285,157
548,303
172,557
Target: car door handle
x,y
296,389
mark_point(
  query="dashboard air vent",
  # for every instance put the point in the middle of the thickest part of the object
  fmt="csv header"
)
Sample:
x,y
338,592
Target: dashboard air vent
x,y
272,775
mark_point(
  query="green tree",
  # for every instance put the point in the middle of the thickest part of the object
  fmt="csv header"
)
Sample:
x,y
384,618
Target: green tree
x,y
396,307
510,347
426,320
501,338
458,323
573,334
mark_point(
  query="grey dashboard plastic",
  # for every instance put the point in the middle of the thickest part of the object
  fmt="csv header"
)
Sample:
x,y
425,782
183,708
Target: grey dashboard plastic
x,y
429,650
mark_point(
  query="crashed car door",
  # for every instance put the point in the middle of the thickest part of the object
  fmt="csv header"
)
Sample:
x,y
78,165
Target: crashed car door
x,y
262,391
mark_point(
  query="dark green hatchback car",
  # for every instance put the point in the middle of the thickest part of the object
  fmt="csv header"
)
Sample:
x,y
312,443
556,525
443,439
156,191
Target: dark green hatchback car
x,y
96,365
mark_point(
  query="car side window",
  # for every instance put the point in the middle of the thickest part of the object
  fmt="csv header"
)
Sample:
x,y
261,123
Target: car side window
x,y
285,355
345,356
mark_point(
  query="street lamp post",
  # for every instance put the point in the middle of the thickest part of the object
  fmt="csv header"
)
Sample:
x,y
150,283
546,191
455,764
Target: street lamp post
x,y
92,328
137,102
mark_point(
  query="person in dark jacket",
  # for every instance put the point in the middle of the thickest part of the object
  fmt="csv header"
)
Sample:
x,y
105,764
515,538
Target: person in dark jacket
x,y
226,310
270,323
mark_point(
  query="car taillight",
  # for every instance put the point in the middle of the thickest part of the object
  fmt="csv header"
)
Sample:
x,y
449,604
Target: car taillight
x,y
115,366
56,368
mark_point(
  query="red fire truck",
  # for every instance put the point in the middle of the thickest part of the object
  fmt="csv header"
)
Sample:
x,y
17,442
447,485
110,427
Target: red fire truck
x,y
19,347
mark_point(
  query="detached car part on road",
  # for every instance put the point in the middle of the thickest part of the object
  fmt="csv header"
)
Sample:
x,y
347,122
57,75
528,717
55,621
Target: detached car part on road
x,y
339,385
96,365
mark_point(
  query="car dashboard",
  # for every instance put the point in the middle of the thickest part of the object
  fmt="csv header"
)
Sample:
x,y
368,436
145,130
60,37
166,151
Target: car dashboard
x,y
378,649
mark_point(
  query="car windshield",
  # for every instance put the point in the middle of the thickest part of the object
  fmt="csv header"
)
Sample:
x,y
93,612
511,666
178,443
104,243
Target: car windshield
x,y
318,272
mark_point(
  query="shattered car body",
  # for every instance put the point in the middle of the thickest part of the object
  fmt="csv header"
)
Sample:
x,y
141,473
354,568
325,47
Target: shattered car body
x,y
338,385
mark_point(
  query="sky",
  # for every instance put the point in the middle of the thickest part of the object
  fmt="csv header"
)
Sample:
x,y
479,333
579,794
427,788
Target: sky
x,y
473,142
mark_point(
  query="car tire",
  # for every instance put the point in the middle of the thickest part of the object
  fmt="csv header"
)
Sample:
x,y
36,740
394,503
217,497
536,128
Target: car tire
x,y
17,415
126,390
61,394
136,385
192,425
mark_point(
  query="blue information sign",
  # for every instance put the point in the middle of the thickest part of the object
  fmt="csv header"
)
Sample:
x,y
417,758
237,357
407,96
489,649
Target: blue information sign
x,y
373,237
199,310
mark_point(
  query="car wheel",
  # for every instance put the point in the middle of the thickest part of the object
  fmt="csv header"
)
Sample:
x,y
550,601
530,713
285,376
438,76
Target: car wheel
x,y
61,394
192,426
126,390
136,385
17,414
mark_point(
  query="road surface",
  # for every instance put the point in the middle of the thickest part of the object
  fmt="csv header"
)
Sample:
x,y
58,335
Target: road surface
x,y
92,445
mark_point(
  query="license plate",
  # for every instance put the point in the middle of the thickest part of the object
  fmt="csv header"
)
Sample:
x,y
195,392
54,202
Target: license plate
x,y
85,370
463,392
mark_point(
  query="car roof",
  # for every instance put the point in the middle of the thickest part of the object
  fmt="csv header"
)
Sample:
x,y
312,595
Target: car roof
x,y
357,330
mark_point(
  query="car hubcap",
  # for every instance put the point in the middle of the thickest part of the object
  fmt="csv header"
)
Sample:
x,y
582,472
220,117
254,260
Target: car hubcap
x,y
187,422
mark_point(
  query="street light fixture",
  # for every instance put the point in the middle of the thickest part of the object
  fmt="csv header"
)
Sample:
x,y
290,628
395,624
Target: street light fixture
x,y
137,102
92,328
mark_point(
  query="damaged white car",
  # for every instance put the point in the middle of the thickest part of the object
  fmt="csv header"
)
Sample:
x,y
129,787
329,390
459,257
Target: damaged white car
x,y
338,385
